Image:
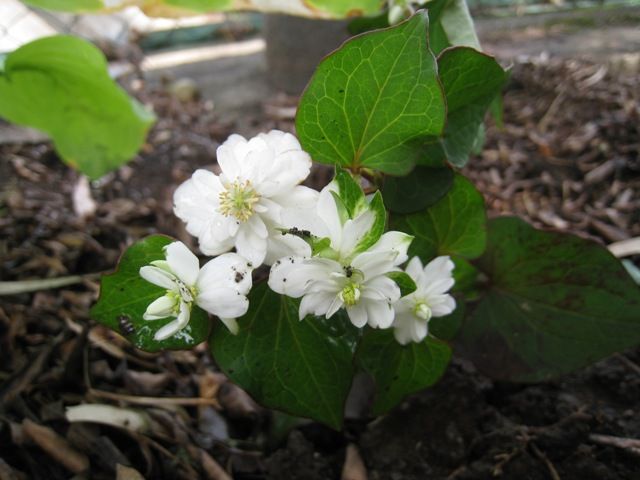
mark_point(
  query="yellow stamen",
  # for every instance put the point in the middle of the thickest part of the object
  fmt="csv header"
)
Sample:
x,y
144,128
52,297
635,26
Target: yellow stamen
x,y
350,294
238,199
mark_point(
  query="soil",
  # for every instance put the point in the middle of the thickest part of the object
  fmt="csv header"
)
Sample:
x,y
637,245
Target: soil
x,y
567,158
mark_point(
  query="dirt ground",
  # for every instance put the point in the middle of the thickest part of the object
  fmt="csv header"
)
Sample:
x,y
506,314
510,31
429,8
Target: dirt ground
x,y
568,157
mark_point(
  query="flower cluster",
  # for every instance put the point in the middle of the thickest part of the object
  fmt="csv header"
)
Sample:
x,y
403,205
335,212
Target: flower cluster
x,y
328,248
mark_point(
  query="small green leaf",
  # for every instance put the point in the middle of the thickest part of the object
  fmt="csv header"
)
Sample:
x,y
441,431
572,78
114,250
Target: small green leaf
x,y
61,85
404,281
400,370
303,368
374,102
556,302
471,82
350,192
418,190
454,225
125,296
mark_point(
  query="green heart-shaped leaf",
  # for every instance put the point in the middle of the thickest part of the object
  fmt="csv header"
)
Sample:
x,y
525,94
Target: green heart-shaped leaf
x,y
399,370
555,303
373,102
471,82
303,367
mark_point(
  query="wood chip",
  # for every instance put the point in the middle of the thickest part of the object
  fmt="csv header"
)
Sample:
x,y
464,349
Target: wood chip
x,y
127,473
353,468
55,446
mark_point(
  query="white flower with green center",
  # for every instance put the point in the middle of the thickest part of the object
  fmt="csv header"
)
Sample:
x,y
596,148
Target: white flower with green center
x,y
343,276
220,288
256,195
430,299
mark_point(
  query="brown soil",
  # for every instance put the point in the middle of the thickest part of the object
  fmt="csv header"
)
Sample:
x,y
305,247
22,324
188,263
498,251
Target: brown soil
x,y
567,158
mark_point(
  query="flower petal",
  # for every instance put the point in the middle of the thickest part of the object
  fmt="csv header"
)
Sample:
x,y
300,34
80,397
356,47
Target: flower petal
x,y
354,231
229,270
379,314
414,268
358,315
161,307
381,288
374,264
292,275
328,213
408,328
224,302
444,305
439,267
280,246
183,263
171,328
231,324
394,241
316,304
251,246
230,156
158,277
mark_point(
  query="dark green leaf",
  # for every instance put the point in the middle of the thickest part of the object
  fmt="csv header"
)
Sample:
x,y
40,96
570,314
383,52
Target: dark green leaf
x,y
471,82
404,281
400,370
125,295
418,190
61,86
556,303
373,102
455,225
365,24
303,368
467,277
447,327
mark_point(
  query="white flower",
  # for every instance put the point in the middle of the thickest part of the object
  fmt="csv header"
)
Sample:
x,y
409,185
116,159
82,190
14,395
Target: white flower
x,y
220,288
354,280
430,299
256,194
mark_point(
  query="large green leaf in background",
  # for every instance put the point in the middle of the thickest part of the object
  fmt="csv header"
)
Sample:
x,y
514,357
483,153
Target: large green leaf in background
x,y
555,303
125,295
399,370
373,102
471,81
346,8
304,368
67,5
313,8
61,85
454,225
